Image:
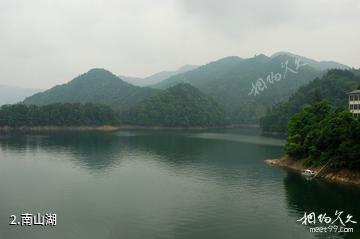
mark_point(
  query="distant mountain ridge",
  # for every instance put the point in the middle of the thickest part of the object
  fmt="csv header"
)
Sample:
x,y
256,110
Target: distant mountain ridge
x,y
187,77
96,86
321,65
245,88
231,80
12,94
157,77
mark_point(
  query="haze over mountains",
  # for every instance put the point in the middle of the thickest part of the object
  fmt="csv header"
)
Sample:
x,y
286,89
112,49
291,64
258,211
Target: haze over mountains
x,y
157,77
12,94
321,65
245,88
230,81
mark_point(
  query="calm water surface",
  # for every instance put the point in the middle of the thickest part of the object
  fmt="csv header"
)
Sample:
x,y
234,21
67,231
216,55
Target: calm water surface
x,y
160,184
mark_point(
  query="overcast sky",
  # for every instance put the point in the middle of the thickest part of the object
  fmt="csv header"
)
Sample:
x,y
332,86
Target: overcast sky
x,y
48,42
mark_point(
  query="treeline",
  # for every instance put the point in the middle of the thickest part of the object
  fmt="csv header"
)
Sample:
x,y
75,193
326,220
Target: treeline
x,y
319,133
67,114
332,87
180,106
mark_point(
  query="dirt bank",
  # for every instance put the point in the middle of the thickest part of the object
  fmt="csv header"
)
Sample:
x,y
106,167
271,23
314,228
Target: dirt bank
x,y
343,176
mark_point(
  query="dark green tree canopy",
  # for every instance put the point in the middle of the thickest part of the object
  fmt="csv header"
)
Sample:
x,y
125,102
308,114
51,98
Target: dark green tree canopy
x,y
57,115
181,105
320,133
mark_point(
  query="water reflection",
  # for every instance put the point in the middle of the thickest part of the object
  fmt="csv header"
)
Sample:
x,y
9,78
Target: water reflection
x,y
141,184
322,197
217,160
181,152
95,151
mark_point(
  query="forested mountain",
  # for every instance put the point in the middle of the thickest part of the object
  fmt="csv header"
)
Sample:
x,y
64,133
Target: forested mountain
x,y
11,94
157,77
179,106
332,87
96,86
246,87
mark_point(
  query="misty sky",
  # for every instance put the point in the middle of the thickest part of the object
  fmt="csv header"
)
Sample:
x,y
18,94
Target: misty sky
x,y
48,42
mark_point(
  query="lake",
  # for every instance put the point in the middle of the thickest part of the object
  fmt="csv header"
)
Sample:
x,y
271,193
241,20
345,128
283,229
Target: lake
x,y
161,184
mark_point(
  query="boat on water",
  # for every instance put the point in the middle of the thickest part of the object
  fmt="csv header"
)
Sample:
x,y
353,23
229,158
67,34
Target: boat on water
x,y
308,173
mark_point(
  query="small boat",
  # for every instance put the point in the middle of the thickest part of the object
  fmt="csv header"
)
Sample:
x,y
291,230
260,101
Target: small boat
x,y
308,173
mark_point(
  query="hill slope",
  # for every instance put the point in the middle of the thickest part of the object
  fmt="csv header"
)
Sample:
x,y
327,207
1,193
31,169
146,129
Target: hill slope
x,y
96,86
234,83
179,106
331,87
320,65
12,95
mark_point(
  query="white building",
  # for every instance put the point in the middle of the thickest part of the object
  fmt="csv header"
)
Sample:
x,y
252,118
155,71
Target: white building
x,y
354,102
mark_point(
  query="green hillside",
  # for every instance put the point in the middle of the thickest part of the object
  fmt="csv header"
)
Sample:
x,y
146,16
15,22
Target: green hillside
x,y
179,106
96,86
230,82
320,65
333,87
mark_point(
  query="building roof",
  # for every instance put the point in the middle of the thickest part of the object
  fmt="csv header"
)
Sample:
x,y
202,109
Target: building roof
x,y
354,92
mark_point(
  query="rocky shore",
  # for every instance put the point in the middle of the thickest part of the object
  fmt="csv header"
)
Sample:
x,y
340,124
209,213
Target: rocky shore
x,y
342,176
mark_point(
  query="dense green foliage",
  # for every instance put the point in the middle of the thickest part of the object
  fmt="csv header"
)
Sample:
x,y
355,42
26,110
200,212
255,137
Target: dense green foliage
x,y
229,81
180,106
57,115
333,87
320,133
97,86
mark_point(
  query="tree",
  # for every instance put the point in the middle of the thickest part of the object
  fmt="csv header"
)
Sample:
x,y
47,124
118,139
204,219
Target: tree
x,y
320,133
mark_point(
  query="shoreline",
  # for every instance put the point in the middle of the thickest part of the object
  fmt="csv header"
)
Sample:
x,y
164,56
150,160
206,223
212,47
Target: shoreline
x,y
105,128
234,126
110,128
340,176
274,133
